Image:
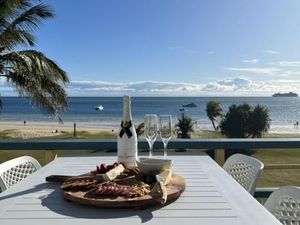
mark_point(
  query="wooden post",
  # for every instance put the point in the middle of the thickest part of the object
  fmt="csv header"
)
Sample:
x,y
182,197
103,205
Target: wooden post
x,y
220,156
49,156
74,129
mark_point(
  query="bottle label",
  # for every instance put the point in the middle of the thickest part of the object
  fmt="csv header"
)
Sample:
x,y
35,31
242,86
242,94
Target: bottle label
x,y
125,128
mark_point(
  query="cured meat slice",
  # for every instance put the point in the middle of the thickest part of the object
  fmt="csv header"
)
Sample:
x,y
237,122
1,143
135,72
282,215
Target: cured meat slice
x,y
113,189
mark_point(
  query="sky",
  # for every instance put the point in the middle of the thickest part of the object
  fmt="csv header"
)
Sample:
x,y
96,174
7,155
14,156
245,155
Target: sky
x,y
174,47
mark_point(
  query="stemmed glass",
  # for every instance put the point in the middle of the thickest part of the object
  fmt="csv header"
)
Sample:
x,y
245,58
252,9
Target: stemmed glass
x,y
165,130
151,131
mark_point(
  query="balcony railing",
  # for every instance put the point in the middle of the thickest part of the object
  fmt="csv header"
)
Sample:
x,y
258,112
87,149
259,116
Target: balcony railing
x,y
216,145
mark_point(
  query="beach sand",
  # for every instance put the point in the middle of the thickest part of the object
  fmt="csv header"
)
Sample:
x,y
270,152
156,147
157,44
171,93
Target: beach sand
x,y
39,131
32,131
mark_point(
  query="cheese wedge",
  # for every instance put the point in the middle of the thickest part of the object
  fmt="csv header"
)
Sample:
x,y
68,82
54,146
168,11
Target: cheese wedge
x,y
112,174
165,176
159,192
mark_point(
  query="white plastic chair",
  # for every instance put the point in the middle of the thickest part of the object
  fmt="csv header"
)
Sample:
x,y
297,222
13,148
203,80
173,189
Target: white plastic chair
x,y
245,170
15,170
284,204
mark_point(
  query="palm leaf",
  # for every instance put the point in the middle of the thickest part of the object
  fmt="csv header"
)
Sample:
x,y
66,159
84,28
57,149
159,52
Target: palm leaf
x,y
184,126
7,6
34,75
18,30
30,72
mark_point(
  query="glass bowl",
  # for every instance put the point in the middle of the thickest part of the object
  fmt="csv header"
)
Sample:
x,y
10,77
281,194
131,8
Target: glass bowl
x,y
153,166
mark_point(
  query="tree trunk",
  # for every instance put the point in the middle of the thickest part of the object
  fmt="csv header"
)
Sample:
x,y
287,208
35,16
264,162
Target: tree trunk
x,y
213,123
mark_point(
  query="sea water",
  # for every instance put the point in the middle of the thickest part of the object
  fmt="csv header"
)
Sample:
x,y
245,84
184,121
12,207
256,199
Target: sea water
x,y
284,111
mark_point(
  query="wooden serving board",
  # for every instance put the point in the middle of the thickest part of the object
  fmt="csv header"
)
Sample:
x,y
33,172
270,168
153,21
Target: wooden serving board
x,y
174,189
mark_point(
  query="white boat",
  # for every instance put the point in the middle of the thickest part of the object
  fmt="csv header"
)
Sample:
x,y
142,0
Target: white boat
x,y
99,107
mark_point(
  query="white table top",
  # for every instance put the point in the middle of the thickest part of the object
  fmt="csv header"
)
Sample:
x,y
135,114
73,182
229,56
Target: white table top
x,y
211,197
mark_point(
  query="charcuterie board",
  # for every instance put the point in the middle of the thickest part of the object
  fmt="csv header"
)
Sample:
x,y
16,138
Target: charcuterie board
x,y
174,189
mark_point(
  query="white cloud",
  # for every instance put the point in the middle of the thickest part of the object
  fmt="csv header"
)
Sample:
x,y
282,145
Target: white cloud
x,y
134,88
246,87
256,70
229,85
250,61
211,53
281,68
286,63
237,86
273,52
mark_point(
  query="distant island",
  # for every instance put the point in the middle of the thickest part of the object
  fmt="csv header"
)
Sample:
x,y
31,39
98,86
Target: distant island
x,y
290,94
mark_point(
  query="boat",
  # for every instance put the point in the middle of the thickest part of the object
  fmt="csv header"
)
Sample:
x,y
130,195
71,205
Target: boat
x,y
290,94
182,111
190,105
99,107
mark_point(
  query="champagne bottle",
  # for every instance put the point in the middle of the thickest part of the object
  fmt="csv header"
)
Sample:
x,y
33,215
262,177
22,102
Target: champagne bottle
x,y
127,138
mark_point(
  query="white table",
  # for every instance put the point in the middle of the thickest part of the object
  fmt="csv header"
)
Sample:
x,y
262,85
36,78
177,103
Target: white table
x,y
211,197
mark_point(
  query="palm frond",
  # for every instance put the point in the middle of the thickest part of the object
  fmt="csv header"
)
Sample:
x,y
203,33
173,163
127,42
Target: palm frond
x,y
34,75
43,64
32,17
7,6
30,72
17,30
11,61
184,126
44,93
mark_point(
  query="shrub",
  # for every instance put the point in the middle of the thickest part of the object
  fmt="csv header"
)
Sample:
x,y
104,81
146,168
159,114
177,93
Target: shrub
x,y
184,126
244,121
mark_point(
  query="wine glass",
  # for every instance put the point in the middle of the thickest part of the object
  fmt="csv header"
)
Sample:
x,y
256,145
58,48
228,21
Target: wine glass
x,y
165,130
151,131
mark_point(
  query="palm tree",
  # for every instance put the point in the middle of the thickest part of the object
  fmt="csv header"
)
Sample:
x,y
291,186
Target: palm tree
x,y
213,111
184,126
28,71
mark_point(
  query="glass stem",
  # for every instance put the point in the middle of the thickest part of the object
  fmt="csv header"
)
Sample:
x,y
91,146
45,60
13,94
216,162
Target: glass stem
x,y
150,150
165,149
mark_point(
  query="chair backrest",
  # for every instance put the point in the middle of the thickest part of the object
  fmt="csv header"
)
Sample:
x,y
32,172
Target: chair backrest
x,y
15,170
284,204
245,170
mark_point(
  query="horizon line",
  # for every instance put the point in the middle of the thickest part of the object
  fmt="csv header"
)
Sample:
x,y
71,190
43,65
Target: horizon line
x,y
120,96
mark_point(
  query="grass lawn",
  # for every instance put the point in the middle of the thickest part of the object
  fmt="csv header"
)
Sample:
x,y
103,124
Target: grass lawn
x,y
279,177
270,178
40,155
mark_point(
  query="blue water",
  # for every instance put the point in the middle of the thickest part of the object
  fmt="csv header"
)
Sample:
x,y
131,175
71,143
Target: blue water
x,y
284,112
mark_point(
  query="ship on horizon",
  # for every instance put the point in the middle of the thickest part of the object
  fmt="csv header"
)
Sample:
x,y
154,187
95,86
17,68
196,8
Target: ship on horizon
x,y
290,94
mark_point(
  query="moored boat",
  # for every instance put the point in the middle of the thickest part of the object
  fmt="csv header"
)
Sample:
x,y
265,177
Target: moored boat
x,y
190,105
99,107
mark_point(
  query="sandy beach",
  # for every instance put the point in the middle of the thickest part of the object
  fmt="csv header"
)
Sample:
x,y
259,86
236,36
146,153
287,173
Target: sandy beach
x,y
31,131
38,131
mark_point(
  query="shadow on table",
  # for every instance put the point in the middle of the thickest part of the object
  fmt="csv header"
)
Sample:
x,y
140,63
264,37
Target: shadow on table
x,y
33,190
72,209
51,197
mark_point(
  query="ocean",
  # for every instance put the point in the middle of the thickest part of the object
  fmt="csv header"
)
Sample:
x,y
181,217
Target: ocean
x,y
284,111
